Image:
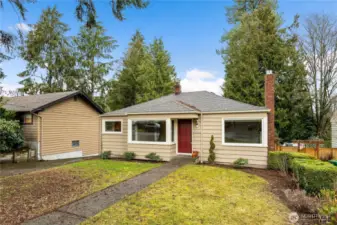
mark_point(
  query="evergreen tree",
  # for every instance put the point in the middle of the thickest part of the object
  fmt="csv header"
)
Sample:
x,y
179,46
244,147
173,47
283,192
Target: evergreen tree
x,y
258,43
211,156
86,10
129,80
49,55
162,75
8,40
94,59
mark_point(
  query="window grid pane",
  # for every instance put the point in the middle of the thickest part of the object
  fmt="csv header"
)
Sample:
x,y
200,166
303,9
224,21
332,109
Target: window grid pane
x,y
149,131
27,119
243,131
113,126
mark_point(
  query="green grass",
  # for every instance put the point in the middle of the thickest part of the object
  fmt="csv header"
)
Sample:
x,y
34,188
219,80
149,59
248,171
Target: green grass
x,y
199,195
104,173
32,194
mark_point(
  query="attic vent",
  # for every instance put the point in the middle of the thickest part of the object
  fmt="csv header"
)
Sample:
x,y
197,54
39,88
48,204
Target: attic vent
x,y
75,98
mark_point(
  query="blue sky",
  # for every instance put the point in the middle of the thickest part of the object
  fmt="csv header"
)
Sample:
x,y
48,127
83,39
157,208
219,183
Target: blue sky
x,y
191,31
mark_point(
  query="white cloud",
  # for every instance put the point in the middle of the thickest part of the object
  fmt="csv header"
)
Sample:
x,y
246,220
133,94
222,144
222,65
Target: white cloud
x,y
9,89
197,80
196,74
23,27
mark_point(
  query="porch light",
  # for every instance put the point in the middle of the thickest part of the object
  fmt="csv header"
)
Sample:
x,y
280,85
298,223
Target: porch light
x,y
197,123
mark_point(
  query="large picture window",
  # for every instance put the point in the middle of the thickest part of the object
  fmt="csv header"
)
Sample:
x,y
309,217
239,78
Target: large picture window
x,y
112,126
243,132
149,130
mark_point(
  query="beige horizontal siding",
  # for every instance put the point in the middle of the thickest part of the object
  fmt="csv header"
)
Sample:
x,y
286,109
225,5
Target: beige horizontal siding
x,y
116,143
67,121
164,151
334,134
30,130
212,125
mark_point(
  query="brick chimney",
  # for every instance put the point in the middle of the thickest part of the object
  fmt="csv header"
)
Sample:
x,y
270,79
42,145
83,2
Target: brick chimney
x,y
177,88
269,95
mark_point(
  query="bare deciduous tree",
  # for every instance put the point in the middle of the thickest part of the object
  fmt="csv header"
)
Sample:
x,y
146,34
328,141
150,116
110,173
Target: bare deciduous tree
x,y
319,46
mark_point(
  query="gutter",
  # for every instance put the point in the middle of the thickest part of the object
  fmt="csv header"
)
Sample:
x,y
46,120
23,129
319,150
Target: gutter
x,y
150,113
191,112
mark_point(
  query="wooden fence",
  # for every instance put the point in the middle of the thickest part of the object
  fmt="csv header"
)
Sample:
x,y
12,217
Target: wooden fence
x,y
323,153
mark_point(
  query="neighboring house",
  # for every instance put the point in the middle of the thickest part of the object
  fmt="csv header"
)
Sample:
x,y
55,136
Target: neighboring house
x,y
59,125
334,130
180,123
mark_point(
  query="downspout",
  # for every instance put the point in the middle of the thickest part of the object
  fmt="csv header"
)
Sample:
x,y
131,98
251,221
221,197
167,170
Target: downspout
x,y
40,137
201,136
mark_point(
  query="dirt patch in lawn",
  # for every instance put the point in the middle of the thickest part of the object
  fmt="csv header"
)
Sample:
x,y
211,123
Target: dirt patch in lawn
x,y
29,195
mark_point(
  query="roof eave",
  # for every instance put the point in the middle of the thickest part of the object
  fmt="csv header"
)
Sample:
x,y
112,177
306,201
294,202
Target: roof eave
x,y
191,112
150,113
97,107
240,111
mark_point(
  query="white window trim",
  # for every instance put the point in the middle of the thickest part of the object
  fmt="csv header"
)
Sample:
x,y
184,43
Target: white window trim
x,y
111,132
168,132
264,132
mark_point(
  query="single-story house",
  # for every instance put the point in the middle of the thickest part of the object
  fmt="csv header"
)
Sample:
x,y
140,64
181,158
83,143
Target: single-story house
x,y
59,125
334,130
180,123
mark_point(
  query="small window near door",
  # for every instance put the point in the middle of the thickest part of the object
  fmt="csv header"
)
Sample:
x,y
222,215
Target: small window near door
x,y
75,143
112,126
27,118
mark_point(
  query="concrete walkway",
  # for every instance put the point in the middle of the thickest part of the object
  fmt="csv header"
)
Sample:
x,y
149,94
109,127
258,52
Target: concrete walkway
x,y
80,210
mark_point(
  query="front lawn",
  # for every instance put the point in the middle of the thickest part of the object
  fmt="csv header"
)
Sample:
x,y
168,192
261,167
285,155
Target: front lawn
x,y
29,195
199,195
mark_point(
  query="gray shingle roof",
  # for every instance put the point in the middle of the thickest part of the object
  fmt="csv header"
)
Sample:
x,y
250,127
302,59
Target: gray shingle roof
x,y
33,103
193,102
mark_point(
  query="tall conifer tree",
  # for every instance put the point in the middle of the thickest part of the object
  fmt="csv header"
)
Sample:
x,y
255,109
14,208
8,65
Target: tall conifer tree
x,y
94,58
257,43
49,55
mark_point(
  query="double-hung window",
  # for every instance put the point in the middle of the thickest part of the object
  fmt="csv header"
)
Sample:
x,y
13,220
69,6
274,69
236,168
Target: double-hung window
x,y
27,119
249,132
112,126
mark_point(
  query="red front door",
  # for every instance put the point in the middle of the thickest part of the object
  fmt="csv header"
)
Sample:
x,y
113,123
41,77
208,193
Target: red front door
x,y
185,136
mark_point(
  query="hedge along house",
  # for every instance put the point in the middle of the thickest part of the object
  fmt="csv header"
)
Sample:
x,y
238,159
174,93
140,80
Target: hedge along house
x,y
59,125
180,123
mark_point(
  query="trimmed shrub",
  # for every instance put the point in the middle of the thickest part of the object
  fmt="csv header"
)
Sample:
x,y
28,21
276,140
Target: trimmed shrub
x,y
283,160
129,155
314,175
106,155
153,156
211,156
240,162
